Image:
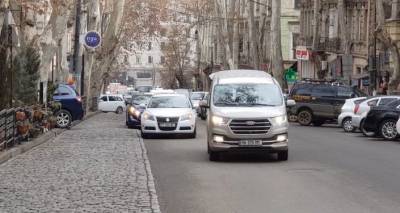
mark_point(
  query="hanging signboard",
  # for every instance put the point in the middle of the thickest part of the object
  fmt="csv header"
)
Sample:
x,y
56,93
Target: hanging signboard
x,y
302,53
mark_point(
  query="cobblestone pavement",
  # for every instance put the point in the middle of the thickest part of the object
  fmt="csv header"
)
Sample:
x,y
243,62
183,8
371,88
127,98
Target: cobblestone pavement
x,y
97,166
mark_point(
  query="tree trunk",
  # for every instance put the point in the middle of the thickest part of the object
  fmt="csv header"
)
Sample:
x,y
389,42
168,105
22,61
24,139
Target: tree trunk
x,y
277,61
223,32
253,36
316,32
106,53
235,42
344,32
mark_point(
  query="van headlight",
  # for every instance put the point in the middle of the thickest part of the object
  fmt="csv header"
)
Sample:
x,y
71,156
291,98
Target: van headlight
x,y
186,117
219,121
280,120
148,116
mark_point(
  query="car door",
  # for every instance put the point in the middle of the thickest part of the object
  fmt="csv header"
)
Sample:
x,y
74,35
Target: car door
x,y
112,103
324,98
103,101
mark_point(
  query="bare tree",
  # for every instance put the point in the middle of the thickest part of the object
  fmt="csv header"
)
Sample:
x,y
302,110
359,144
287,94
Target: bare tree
x,y
276,47
253,35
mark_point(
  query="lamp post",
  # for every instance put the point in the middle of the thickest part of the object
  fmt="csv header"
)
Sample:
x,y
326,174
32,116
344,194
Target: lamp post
x,y
10,23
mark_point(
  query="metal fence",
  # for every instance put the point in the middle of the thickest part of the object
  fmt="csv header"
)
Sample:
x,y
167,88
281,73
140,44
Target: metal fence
x,y
8,132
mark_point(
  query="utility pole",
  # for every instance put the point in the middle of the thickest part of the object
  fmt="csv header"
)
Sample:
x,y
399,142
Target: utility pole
x,y
372,46
75,61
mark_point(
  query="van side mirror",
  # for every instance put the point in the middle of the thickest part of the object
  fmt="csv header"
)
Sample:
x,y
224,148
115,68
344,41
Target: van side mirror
x,y
290,103
204,103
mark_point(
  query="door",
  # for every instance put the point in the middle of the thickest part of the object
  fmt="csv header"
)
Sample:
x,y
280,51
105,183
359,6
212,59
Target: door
x,y
112,103
103,103
324,99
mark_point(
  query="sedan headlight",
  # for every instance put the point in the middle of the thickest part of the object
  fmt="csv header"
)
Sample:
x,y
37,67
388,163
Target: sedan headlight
x,y
186,117
148,116
219,121
280,120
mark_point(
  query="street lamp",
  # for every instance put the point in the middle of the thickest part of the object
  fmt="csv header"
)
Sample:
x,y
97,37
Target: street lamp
x,y
10,23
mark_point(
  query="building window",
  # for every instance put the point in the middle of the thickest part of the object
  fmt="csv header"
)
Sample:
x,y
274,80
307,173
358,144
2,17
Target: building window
x,y
297,4
162,59
150,59
138,61
149,46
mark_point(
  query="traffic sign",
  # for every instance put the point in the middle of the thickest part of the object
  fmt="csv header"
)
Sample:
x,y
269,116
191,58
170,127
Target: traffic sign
x,y
92,39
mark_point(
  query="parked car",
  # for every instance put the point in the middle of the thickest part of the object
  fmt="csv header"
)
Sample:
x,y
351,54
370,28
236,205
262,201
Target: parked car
x,y
168,114
112,103
318,101
344,119
195,98
398,126
382,120
361,110
71,105
135,109
247,113
201,110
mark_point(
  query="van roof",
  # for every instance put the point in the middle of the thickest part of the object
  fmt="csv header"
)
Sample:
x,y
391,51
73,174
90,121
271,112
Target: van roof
x,y
241,76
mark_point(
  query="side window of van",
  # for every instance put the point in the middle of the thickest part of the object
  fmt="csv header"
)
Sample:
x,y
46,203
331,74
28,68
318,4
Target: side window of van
x,y
345,92
302,89
104,98
323,91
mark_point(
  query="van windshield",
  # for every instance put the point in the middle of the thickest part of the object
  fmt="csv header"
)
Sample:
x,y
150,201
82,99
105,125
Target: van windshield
x,y
247,95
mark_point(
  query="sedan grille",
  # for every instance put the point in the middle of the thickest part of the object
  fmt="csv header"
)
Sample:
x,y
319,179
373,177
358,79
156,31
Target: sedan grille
x,y
250,127
167,123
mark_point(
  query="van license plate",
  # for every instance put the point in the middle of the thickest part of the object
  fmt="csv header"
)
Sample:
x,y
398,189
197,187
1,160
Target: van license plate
x,y
167,125
250,143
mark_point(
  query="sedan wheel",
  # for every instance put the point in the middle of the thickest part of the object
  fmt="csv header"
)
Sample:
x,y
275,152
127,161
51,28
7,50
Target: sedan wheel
x,y
346,124
388,129
64,119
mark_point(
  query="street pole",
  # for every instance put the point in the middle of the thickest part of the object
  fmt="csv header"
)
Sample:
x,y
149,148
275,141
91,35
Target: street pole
x,y
75,65
11,65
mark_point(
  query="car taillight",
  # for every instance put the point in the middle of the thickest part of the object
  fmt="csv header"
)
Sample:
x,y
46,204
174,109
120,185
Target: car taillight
x,y
356,108
79,99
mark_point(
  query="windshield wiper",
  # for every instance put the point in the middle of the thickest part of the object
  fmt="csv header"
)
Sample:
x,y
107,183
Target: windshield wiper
x,y
260,104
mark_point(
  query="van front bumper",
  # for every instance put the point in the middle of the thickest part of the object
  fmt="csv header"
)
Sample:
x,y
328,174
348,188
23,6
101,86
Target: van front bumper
x,y
268,144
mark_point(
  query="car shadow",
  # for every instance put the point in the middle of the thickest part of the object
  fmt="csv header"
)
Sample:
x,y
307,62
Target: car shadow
x,y
248,158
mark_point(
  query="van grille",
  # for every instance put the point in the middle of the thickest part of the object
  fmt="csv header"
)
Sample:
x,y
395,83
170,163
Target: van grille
x,y
250,127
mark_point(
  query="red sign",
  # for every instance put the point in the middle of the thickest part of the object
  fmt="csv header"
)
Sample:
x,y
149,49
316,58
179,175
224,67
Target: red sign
x,y
302,53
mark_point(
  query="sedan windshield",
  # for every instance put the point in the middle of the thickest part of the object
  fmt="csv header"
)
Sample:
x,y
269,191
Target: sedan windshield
x,y
197,96
140,99
169,102
247,95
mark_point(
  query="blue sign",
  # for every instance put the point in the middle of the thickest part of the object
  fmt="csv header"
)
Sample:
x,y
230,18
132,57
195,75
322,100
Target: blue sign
x,y
92,39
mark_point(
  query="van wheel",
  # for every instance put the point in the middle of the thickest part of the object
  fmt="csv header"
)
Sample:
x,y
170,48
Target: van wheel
x,y
213,156
119,110
283,155
64,118
305,117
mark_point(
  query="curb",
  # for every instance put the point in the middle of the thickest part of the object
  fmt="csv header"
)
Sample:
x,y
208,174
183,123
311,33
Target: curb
x,y
26,146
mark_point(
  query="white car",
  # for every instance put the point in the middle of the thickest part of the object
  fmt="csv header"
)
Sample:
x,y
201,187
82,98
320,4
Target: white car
x,y
344,119
112,103
361,111
168,114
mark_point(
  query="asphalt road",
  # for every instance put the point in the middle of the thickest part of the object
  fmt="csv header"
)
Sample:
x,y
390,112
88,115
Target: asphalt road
x,y
328,171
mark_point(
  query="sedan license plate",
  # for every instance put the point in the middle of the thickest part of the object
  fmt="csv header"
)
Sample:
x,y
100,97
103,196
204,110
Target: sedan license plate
x,y
167,125
250,143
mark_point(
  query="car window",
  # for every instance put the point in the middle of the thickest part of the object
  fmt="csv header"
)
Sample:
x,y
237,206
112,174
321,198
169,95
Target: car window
x,y
169,102
359,101
197,96
323,91
141,99
119,99
345,92
112,98
63,91
385,101
302,89
104,98
372,102
394,103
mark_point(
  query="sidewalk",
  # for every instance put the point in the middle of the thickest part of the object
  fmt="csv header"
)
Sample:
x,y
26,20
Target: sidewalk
x,y
97,166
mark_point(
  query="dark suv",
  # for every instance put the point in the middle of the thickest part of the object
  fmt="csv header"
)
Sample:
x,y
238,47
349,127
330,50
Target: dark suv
x,y
318,101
